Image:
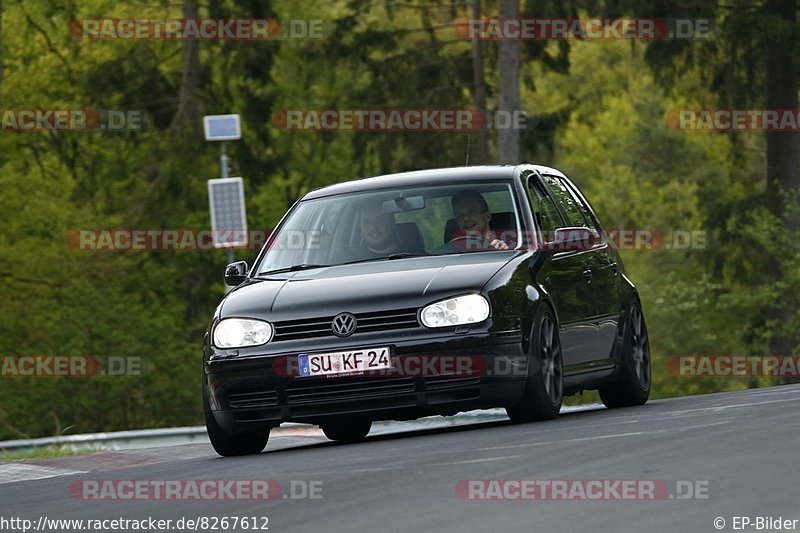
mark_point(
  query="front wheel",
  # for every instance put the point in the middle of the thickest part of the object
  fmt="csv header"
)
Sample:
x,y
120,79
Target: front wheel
x,y
545,386
632,387
232,444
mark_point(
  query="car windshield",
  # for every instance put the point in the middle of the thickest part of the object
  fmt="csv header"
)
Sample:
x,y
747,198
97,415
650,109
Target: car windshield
x,y
395,223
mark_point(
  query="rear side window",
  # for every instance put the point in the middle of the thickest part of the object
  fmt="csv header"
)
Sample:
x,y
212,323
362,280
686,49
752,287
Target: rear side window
x,y
569,206
575,208
588,216
544,209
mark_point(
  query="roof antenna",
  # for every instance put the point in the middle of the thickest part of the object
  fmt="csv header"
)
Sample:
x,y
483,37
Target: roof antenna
x,y
466,163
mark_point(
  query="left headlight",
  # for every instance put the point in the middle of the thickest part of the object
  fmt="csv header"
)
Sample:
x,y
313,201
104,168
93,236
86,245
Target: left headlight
x,y
468,309
241,332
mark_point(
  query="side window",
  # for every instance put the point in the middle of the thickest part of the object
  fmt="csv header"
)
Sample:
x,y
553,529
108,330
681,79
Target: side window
x,y
550,217
543,206
575,208
591,221
566,201
587,214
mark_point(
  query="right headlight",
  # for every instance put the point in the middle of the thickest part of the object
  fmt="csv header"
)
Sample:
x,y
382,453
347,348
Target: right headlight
x,y
241,332
457,311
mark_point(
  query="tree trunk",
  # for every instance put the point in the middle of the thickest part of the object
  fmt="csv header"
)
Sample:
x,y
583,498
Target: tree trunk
x,y
783,150
1,46
481,154
508,90
189,113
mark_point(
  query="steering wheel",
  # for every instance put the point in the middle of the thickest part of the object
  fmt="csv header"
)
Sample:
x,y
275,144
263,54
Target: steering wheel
x,y
471,242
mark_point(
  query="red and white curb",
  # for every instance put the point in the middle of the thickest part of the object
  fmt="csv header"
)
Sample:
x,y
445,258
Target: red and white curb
x,y
104,461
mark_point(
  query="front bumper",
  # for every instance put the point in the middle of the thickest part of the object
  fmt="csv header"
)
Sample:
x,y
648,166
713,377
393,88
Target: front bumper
x,y
249,392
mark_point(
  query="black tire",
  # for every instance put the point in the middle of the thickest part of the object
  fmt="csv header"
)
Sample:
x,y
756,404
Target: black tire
x,y
632,387
232,444
347,429
544,390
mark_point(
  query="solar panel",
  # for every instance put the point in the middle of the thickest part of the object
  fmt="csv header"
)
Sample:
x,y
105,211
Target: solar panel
x,y
222,127
228,215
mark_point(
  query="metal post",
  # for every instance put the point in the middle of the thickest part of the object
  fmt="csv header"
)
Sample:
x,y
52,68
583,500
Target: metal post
x,y
223,162
223,168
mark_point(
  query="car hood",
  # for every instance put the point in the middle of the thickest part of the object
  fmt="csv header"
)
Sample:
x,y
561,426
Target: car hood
x,y
364,287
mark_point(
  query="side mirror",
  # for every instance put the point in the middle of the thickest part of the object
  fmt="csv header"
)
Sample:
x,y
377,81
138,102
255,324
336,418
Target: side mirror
x,y
571,239
235,273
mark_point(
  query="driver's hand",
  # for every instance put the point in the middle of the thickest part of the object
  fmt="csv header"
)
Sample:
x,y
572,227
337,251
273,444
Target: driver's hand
x,y
497,244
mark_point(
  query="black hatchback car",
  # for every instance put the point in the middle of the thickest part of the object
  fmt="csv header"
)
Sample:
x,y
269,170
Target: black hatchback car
x,y
423,293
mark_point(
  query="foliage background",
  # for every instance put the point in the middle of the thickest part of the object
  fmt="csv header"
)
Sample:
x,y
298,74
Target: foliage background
x,y
599,109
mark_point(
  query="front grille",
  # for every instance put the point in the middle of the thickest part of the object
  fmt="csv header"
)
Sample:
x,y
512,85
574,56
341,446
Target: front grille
x,y
302,329
446,382
253,398
310,328
307,390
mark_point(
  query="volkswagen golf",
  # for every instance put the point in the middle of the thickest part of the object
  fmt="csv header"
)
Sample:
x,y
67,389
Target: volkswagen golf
x,y
423,293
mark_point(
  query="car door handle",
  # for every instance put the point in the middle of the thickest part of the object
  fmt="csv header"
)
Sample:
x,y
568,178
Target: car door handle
x,y
588,275
613,266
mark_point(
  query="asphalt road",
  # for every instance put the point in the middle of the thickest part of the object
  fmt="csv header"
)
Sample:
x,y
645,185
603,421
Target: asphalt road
x,y
741,447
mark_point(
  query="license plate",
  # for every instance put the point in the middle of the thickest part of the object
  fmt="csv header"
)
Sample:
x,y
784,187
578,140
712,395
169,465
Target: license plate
x,y
350,362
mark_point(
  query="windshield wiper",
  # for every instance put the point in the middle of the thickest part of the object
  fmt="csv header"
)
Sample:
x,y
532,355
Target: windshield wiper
x,y
400,255
293,268
308,266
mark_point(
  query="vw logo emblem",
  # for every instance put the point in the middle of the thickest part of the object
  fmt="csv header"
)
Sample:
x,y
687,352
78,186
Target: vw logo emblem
x,y
344,324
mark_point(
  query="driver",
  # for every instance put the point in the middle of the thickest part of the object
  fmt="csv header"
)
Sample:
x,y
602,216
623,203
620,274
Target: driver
x,y
380,236
378,231
472,216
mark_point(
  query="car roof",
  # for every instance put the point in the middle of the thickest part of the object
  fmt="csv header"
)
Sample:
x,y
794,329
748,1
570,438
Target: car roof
x,y
425,177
